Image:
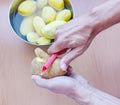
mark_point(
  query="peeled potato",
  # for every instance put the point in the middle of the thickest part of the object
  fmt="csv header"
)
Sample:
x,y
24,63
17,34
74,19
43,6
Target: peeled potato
x,y
27,8
32,37
38,24
27,25
50,29
48,14
41,3
43,41
57,4
40,60
64,15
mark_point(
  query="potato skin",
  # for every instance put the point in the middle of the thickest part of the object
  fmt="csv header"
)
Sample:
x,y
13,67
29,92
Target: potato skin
x,y
39,61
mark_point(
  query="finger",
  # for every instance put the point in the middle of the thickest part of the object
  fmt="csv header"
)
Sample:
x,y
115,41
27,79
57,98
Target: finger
x,y
41,82
69,70
65,61
57,46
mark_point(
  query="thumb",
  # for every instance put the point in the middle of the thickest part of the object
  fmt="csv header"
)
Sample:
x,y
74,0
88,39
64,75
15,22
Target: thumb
x,y
41,82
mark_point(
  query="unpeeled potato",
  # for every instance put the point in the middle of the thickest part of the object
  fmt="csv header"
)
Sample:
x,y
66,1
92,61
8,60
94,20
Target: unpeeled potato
x,y
39,61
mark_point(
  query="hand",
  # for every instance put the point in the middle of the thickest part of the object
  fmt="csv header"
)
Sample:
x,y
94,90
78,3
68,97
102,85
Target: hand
x,y
69,85
75,36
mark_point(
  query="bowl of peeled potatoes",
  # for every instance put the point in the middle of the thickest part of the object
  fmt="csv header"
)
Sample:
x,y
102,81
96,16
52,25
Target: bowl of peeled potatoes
x,y
36,21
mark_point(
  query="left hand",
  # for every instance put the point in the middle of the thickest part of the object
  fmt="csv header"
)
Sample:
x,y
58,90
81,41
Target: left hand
x,y
68,85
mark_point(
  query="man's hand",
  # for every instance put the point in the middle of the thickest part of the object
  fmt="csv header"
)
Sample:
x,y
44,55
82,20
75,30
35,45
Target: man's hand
x,y
68,85
76,36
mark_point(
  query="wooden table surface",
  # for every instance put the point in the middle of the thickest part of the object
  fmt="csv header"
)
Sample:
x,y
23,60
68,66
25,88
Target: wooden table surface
x,y
100,64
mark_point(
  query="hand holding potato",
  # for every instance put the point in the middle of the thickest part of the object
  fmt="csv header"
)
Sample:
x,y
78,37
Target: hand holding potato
x,y
39,61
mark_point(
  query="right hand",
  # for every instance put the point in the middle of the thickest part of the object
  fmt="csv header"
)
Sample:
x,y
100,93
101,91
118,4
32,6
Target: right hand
x,y
76,36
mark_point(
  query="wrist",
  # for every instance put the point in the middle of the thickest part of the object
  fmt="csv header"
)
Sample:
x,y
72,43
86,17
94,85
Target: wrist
x,y
82,94
105,15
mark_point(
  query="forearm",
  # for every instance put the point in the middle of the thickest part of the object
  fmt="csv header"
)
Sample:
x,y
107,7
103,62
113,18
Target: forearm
x,y
105,15
101,98
95,97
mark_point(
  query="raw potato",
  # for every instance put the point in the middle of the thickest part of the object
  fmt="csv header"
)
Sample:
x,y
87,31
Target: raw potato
x,y
38,24
57,4
43,41
48,14
50,29
27,8
64,15
27,26
39,61
41,3
32,37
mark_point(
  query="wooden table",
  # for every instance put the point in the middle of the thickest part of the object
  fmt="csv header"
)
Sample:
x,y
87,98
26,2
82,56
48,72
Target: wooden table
x,y
100,64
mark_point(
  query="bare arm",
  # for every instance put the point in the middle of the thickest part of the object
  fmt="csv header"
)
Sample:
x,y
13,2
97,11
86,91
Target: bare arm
x,y
95,97
106,15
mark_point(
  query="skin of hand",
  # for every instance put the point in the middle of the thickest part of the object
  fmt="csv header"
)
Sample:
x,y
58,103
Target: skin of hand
x,y
68,85
77,35
77,88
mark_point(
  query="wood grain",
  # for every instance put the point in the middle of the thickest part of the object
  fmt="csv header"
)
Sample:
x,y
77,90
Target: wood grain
x,y
100,64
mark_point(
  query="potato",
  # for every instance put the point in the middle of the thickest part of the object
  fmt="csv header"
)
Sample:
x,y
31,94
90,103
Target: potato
x,y
53,71
27,25
43,41
32,37
64,15
48,14
27,8
57,4
50,29
41,3
38,24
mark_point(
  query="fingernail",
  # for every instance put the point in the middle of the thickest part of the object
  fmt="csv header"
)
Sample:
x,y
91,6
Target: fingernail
x,y
64,67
